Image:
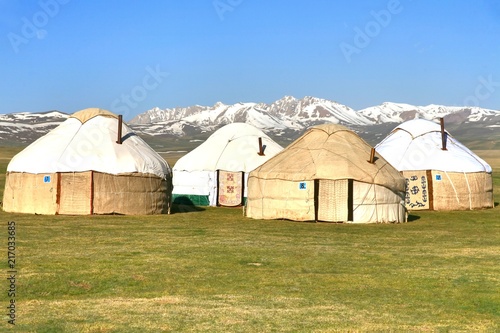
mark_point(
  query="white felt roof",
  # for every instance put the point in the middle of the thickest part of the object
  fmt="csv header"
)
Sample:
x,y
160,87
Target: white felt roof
x,y
87,141
417,145
233,147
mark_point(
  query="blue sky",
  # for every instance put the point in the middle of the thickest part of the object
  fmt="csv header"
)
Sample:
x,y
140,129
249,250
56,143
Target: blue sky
x,y
130,56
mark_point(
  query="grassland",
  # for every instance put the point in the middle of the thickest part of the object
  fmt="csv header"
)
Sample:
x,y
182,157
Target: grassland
x,y
213,270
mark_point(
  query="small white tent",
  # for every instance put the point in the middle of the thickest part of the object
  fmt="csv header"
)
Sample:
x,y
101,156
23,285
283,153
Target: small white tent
x,y
215,173
441,173
80,168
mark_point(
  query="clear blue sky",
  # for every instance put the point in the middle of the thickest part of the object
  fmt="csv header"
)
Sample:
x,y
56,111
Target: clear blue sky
x,y
130,56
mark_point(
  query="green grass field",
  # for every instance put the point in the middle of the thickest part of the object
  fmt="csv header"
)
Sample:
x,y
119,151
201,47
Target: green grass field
x,y
213,270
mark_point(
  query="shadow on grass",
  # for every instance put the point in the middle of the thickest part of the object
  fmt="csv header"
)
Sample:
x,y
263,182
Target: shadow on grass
x,y
184,206
496,204
413,218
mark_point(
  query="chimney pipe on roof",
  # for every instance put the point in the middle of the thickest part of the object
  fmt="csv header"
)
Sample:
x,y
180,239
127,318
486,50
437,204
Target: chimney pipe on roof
x,y
120,121
261,148
443,135
372,156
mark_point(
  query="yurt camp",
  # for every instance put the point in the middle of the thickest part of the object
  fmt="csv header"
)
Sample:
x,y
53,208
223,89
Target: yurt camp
x,y
92,163
215,173
441,173
328,174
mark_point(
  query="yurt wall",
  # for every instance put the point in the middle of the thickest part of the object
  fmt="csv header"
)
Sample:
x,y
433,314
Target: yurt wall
x,y
84,193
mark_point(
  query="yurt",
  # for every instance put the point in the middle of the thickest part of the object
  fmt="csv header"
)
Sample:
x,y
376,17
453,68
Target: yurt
x,y
328,174
215,173
92,163
441,173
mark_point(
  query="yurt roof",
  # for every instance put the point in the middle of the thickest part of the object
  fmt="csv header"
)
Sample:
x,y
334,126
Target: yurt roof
x,y
87,114
334,152
417,145
234,147
87,141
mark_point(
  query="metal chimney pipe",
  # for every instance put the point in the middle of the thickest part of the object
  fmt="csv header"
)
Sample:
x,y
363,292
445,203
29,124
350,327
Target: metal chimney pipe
x,y
261,148
120,122
443,135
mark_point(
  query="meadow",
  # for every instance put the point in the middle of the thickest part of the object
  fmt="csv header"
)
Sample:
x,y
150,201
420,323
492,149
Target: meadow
x,y
213,270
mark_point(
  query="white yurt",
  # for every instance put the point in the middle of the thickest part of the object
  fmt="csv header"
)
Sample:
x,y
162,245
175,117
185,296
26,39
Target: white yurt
x,y
441,173
215,173
92,163
329,174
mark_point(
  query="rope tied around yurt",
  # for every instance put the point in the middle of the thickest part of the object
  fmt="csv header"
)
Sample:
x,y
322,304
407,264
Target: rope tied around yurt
x,y
453,186
468,188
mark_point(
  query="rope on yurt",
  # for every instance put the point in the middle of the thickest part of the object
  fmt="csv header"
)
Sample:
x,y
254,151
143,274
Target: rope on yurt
x,y
454,189
468,187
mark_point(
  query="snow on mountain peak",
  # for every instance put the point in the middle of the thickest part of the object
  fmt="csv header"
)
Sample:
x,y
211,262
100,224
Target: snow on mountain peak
x,y
291,113
218,105
286,115
398,112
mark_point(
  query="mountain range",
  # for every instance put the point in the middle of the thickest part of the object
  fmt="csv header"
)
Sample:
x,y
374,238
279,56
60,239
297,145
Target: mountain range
x,y
284,119
290,113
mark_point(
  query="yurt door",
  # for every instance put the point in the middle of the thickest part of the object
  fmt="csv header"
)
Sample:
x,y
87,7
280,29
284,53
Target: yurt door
x,y
418,189
230,188
75,193
333,200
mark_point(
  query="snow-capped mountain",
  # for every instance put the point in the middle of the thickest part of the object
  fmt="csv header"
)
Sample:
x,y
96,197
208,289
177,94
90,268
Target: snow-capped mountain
x,y
34,117
399,112
287,118
287,113
292,114
25,127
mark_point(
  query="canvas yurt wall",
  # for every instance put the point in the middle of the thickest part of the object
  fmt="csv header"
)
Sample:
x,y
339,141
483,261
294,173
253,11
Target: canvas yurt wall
x,y
80,168
441,173
327,175
215,173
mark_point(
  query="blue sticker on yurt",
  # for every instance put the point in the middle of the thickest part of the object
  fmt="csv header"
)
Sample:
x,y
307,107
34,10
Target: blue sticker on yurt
x,y
438,177
302,186
46,179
